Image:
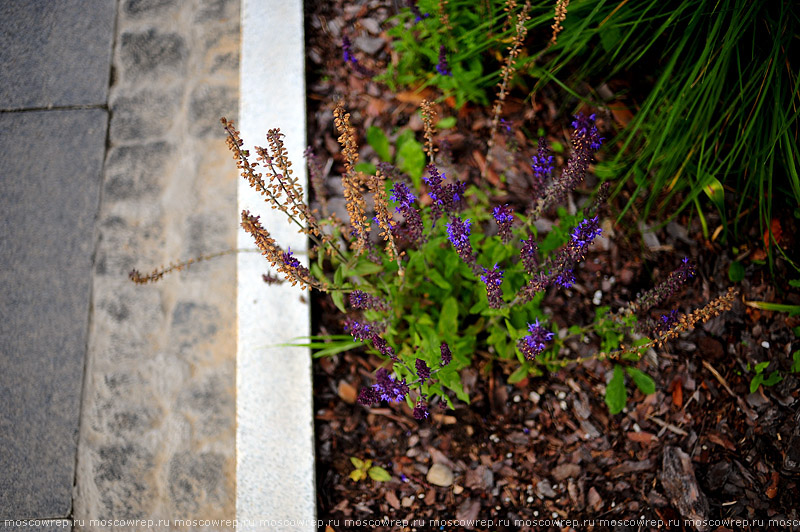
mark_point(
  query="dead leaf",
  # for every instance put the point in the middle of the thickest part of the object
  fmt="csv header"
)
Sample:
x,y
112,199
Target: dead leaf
x,y
392,499
347,392
677,393
642,437
622,115
772,490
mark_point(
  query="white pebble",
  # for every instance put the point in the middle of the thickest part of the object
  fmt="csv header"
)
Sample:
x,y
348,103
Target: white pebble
x,y
562,395
765,344
535,397
517,398
598,297
555,515
529,500
536,513
563,405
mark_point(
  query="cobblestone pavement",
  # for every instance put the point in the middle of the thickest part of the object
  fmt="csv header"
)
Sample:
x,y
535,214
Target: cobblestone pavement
x,y
158,410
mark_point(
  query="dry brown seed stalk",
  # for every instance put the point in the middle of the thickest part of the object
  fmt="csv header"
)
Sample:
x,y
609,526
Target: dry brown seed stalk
x,y
428,115
351,180
274,254
377,186
508,69
560,16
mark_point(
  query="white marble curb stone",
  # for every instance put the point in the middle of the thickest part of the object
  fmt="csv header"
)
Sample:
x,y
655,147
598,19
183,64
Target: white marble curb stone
x,y
275,486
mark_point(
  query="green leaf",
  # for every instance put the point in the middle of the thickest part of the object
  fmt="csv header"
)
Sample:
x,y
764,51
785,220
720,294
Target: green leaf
x,y
774,378
357,462
357,475
520,373
796,364
377,139
761,366
366,267
338,300
736,271
643,381
365,167
794,283
411,160
438,280
379,474
756,382
448,319
338,276
616,396
793,310
446,123
713,189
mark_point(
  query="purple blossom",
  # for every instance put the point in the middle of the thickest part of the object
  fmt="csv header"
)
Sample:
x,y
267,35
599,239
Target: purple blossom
x,y
447,356
585,141
361,331
446,197
364,301
406,199
493,279
420,410
585,132
667,321
584,234
347,50
369,395
423,371
390,389
383,347
565,278
290,260
418,15
504,217
529,254
458,233
542,162
443,68
534,343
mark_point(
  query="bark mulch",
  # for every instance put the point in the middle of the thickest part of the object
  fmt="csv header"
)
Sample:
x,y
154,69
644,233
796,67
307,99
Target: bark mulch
x,y
525,455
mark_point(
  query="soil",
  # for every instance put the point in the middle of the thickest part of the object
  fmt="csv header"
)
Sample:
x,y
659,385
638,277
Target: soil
x,y
525,455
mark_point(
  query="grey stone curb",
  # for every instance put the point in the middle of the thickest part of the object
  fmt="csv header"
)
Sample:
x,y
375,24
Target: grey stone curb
x,y
275,488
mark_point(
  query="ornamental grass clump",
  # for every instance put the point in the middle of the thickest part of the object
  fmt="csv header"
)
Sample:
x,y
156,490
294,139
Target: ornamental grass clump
x,y
449,277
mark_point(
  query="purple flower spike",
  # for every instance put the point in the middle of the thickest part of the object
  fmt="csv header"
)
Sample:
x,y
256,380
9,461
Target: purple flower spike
x,y
384,347
493,279
443,67
584,234
363,301
447,356
347,50
406,199
423,371
504,217
458,233
530,255
289,259
360,331
420,410
534,343
586,132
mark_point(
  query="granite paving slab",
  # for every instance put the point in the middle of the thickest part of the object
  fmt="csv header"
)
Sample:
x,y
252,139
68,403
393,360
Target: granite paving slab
x,y
55,54
51,167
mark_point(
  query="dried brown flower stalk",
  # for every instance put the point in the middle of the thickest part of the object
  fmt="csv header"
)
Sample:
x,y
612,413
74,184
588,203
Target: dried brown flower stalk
x,y
508,69
137,277
444,18
296,273
685,323
428,115
377,185
351,180
561,16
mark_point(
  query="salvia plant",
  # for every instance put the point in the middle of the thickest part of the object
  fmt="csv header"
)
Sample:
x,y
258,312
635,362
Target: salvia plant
x,y
431,279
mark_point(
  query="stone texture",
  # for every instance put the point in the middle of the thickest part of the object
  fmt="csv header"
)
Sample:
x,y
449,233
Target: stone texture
x,y
157,437
55,53
48,202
